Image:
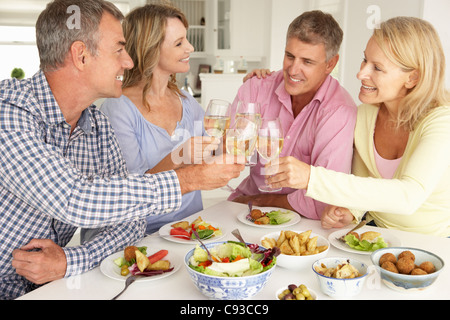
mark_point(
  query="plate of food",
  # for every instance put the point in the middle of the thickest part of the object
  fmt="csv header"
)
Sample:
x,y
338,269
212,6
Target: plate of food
x,y
184,231
365,241
150,265
269,217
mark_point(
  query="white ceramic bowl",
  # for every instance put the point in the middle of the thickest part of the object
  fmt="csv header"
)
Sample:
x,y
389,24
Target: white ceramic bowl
x,y
341,288
299,262
226,288
312,292
403,282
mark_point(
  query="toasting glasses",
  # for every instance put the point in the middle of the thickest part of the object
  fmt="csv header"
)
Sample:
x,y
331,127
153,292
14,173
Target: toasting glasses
x,y
270,144
241,138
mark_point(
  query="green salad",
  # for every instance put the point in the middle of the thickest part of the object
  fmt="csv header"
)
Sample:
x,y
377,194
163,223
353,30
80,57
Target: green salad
x,y
278,217
233,259
365,245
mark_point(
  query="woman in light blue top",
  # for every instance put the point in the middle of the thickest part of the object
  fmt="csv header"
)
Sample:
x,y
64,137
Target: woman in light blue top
x,y
145,144
153,117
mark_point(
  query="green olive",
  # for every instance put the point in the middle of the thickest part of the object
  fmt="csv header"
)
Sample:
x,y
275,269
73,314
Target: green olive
x,y
300,296
283,294
124,271
305,291
297,290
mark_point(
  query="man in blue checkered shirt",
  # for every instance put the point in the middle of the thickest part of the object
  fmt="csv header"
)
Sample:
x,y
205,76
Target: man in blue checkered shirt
x,y
61,167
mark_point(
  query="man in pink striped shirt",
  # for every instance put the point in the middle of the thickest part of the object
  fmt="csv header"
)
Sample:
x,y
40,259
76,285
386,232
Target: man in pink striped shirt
x,y
317,115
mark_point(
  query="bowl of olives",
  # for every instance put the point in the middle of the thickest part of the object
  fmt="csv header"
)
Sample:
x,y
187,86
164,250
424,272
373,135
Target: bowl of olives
x,y
294,292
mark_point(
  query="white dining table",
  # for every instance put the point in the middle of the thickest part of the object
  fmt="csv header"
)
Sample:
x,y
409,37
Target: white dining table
x,y
178,286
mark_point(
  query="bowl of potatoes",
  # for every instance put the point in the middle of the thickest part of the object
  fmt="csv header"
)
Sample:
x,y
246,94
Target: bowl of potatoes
x,y
299,249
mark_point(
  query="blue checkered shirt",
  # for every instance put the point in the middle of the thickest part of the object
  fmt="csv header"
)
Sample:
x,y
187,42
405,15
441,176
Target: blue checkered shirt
x,y
52,182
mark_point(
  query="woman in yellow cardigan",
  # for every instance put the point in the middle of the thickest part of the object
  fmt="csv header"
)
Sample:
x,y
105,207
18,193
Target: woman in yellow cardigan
x,y
401,163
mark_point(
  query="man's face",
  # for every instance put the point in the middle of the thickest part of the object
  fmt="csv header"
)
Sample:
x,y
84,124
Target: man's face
x,y
305,67
107,67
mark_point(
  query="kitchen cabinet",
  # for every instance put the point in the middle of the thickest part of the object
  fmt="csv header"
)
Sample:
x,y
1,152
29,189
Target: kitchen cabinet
x,y
238,28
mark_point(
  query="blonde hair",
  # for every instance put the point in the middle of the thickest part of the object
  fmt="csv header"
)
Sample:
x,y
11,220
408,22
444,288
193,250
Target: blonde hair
x,y
413,44
144,29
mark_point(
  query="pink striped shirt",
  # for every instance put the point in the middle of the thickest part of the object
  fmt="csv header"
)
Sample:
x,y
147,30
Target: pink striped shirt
x,y
320,135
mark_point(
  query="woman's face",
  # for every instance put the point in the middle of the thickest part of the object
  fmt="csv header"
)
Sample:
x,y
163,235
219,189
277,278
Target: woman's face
x,y
382,81
175,49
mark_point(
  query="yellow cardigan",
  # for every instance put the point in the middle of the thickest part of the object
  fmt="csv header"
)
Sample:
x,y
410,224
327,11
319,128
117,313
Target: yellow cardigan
x,y
417,199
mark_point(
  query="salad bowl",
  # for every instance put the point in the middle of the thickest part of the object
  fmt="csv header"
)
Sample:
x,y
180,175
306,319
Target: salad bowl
x,y
221,287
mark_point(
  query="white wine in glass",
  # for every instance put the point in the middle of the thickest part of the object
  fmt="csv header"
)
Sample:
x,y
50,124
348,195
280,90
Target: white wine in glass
x,y
269,145
217,118
241,139
252,112
216,121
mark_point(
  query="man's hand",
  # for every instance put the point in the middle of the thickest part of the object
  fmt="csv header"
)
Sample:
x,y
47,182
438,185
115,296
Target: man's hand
x,y
193,151
40,266
211,175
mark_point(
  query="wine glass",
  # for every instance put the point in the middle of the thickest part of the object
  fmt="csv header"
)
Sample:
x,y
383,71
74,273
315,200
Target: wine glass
x,y
252,112
217,118
269,145
216,121
241,138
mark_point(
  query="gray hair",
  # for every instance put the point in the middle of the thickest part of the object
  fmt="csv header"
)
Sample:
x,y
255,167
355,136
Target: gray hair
x,y
316,27
57,28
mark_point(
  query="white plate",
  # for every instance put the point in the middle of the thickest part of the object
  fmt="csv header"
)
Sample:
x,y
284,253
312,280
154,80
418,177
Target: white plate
x,y
111,270
164,232
295,218
390,239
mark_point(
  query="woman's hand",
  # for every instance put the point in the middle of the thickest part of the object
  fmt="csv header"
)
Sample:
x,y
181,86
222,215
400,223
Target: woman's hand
x,y
288,172
336,217
259,73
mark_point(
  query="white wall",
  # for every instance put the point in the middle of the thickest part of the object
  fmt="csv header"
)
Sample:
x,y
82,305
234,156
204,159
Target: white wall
x,y
437,12
283,12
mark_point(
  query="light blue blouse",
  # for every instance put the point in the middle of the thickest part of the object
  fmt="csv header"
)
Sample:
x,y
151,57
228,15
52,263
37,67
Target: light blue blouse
x,y
144,145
